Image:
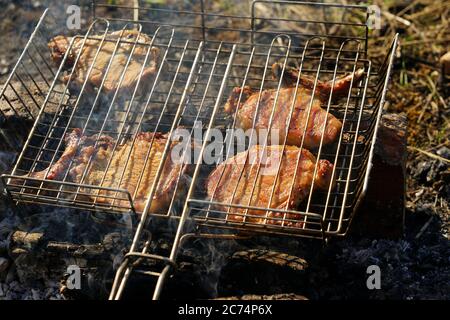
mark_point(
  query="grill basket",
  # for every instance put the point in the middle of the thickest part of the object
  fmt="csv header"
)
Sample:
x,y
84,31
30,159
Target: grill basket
x,y
203,56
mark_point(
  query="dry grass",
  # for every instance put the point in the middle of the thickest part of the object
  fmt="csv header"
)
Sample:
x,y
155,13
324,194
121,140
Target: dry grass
x,y
416,87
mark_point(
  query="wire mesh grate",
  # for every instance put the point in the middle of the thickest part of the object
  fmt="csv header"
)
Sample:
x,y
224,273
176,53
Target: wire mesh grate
x,y
132,89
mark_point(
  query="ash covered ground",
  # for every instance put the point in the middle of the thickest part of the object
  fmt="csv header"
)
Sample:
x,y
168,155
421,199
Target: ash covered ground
x,y
414,267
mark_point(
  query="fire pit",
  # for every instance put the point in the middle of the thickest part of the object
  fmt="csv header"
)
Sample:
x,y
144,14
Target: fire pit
x,y
160,84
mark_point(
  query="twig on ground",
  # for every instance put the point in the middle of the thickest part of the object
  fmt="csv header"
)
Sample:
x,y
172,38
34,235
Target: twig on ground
x,y
401,20
429,154
425,226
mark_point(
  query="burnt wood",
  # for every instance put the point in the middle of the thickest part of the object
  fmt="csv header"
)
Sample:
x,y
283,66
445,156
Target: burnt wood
x,y
382,212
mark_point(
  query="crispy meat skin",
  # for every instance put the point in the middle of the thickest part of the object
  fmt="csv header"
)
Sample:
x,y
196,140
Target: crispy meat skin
x,y
323,89
245,115
57,171
222,182
60,44
79,149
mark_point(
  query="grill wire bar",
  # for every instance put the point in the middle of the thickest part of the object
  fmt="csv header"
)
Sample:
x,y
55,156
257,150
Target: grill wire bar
x,y
199,64
34,190
18,89
223,219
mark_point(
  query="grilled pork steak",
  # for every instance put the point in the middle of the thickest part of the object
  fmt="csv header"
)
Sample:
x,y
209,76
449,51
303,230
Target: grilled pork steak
x,y
128,169
233,181
60,44
318,117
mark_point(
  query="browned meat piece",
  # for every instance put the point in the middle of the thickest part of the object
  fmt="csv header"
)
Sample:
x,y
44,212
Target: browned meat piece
x,y
323,89
57,171
60,44
121,174
245,115
232,182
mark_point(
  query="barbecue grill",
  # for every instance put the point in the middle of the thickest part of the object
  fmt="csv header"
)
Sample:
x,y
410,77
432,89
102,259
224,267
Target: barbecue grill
x,y
203,56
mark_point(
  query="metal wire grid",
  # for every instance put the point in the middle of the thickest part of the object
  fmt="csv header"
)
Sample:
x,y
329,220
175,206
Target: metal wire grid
x,y
321,209
212,73
123,117
29,161
182,93
324,213
206,92
203,25
264,20
27,85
